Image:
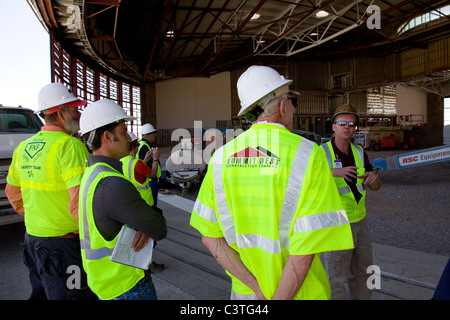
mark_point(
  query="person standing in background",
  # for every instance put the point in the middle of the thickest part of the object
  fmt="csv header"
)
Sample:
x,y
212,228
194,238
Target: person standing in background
x,y
108,201
146,145
352,174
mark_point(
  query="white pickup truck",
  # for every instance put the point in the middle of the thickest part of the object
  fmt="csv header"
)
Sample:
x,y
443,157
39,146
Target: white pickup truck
x,y
16,125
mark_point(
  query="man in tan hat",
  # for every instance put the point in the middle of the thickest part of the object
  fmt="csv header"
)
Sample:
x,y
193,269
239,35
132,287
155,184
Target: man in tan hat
x,y
352,174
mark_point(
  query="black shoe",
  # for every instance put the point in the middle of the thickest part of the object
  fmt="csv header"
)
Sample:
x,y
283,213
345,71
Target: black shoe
x,y
155,267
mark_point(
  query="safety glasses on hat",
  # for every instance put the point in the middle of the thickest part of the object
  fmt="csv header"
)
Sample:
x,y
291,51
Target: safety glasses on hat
x,y
342,123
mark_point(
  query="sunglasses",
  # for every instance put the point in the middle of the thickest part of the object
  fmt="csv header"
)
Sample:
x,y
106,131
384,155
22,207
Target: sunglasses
x,y
294,101
342,123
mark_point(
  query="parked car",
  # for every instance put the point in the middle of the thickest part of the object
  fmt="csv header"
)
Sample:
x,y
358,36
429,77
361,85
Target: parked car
x,y
16,125
314,137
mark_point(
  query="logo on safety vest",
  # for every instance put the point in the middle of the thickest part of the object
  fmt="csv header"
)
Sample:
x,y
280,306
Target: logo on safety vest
x,y
253,158
33,148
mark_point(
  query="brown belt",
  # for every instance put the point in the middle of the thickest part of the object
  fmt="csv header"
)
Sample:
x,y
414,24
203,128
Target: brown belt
x,y
69,236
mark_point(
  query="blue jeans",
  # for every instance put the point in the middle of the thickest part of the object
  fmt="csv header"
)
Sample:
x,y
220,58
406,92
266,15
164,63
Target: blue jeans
x,y
154,186
143,290
442,291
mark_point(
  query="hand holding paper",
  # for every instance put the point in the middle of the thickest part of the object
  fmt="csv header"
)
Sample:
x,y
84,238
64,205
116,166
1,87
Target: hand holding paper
x,y
140,241
133,248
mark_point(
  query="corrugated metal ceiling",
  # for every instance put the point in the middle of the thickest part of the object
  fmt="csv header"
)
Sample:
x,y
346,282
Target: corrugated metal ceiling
x,y
152,40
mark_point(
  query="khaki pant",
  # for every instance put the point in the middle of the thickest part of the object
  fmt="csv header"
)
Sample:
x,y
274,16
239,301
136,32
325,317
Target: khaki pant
x,y
347,269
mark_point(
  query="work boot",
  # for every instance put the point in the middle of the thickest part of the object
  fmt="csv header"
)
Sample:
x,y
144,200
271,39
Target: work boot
x,y
155,267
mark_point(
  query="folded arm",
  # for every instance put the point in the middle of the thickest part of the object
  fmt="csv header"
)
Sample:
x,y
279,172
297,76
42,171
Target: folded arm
x,y
14,195
229,259
293,275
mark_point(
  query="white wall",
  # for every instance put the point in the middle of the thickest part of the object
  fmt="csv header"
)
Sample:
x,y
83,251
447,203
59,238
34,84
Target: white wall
x,y
180,102
411,100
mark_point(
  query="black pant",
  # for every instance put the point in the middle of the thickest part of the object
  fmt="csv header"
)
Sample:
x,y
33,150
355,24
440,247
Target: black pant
x,y
56,270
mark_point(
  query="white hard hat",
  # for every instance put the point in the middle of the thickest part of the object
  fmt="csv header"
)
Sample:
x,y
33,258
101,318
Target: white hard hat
x,y
147,128
56,94
100,113
132,136
257,84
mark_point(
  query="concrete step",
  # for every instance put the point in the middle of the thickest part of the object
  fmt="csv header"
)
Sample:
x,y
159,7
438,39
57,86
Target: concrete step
x,y
405,274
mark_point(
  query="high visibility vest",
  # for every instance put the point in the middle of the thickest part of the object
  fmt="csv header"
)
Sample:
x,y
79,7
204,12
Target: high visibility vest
x,y
270,194
356,211
145,190
45,166
143,143
107,279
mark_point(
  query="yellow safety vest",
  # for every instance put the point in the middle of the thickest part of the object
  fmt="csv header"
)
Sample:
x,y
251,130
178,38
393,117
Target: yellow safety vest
x,y
356,211
145,190
143,143
45,166
107,279
270,194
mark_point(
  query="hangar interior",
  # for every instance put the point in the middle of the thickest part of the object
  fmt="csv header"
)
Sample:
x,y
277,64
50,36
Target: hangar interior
x,y
173,62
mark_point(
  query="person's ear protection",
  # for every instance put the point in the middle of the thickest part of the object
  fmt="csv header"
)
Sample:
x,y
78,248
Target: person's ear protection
x,y
253,114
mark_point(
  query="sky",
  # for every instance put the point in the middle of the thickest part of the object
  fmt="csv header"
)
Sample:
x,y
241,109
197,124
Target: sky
x,y
24,55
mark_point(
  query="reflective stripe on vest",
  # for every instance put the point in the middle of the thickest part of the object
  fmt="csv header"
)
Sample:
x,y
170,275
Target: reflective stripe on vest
x,y
145,143
92,254
106,278
205,212
146,187
326,147
128,166
355,210
293,189
344,190
320,221
141,144
130,173
46,166
288,211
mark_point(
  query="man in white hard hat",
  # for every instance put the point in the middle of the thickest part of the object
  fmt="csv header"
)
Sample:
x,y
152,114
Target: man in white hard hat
x,y
137,171
146,145
268,204
108,201
43,185
353,173
146,149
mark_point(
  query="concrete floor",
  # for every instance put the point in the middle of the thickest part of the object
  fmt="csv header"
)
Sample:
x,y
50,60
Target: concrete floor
x,y
193,274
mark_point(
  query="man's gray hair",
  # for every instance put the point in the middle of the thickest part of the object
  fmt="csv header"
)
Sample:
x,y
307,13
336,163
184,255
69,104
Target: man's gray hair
x,y
272,106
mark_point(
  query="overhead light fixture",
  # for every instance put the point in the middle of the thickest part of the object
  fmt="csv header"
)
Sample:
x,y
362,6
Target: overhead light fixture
x,y
322,14
170,34
256,16
313,34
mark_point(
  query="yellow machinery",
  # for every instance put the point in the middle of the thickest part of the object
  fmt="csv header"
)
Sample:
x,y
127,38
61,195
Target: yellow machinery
x,y
387,131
